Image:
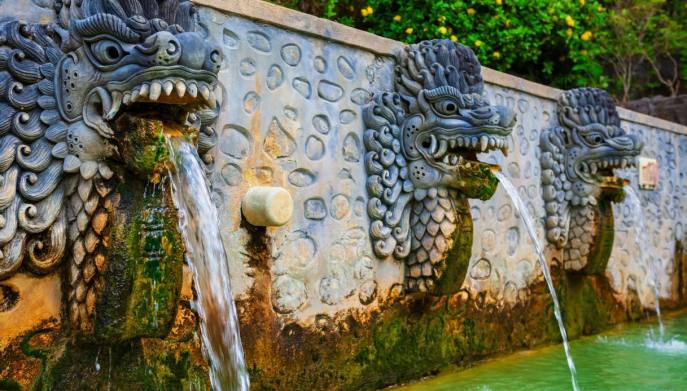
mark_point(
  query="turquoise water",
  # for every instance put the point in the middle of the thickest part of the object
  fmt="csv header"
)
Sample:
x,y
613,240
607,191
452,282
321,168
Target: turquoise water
x,y
630,357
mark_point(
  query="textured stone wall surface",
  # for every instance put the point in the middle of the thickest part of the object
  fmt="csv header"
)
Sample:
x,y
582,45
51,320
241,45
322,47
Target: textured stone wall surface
x,y
292,118
663,210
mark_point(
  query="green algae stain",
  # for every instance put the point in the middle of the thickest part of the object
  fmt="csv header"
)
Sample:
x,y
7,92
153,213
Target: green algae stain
x,y
145,267
157,270
603,242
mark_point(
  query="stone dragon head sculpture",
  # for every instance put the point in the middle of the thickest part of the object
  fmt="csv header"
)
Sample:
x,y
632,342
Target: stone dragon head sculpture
x,y
421,144
63,89
577,159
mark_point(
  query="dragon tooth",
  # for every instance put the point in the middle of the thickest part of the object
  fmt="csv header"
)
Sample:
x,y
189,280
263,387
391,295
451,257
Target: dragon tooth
x,y
193,90
127,98
474,142
623,163
204,91
155,90
452,143
483,143
181,88
116,104
135,94
454,159
168,87
443,145
492,142
461,142
445,160
145,90
212,100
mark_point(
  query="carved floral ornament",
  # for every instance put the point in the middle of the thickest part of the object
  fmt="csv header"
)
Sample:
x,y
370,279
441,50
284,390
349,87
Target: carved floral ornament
x,y
578,158
61,87
421,144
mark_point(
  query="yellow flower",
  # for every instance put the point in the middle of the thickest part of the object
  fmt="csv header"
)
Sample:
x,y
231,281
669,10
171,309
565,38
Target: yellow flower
x,y
583,52
369,10
471,11
582,2
478,43
397,18
442,30
499,2
364,12
496,55
569,21
441,19
586,36
600,9
507,23
569,32
409,30
454,38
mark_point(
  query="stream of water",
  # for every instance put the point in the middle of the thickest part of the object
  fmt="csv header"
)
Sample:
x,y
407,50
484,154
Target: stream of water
x,y
529,226
214,303
638,216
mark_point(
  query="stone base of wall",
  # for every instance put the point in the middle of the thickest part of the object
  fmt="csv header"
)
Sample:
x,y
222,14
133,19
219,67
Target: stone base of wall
x,y
407,338
672,109
419,335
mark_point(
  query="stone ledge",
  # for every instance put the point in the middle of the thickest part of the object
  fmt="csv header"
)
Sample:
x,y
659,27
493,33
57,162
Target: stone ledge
x,y
276,15
298,21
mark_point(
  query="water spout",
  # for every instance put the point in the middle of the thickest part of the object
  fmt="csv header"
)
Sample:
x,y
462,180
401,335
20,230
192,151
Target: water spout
x,y
215,303
638,216
529,225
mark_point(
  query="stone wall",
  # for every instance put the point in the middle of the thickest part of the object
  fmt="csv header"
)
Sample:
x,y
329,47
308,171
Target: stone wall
x,y
292,118
318,308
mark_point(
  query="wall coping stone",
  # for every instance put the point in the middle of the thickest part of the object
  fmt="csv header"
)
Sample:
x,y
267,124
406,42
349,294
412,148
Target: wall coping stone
x,y
276,15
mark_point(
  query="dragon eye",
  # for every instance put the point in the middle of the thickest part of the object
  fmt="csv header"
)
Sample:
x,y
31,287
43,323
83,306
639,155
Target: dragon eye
x,y
107,52
593,138
446,107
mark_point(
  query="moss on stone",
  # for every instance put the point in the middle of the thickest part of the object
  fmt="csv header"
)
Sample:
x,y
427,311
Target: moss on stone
x,y
603,242
145,268
417,336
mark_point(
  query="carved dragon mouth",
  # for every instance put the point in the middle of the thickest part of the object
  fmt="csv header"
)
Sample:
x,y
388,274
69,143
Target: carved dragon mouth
x,y
167,85
601,168
176,93
449,151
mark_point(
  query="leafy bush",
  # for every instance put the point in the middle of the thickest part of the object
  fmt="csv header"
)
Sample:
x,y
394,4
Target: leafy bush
x,y
550,41
563,43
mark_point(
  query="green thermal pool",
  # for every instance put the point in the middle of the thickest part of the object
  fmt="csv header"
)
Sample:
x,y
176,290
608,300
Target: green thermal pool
x,y
631,357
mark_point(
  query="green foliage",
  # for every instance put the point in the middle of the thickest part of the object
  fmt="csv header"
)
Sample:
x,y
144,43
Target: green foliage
x,y
644,41
552,42
564,43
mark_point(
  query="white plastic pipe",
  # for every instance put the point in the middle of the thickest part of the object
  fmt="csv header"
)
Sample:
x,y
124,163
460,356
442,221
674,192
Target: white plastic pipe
x,y
265,206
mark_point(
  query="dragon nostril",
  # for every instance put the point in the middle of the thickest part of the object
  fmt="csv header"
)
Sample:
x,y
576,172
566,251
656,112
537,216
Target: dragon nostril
x,y
215,56
172,47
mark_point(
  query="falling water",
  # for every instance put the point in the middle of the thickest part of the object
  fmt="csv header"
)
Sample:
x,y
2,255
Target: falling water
x,y
215,304
529,225
638,216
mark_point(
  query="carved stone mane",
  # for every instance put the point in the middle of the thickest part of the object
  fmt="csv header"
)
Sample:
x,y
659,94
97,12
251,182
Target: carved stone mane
x,y
418,141
578,158
61,85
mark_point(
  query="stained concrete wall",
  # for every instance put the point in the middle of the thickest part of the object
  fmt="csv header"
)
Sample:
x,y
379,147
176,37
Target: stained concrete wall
x,y
294,88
